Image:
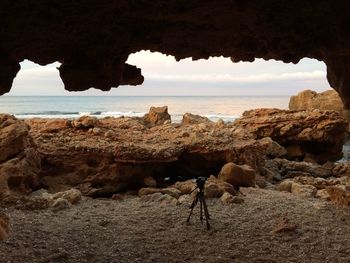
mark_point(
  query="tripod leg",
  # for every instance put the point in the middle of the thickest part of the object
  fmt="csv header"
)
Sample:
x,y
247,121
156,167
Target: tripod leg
x,y
206,208
192,206
201,208
206,213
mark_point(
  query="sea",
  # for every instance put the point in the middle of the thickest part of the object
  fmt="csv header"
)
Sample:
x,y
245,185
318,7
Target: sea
x,y
215,107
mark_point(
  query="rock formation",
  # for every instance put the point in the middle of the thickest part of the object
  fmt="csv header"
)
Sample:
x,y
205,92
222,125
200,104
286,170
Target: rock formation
x,y
93,39
311,100
157,116
101,157
19,159
128,153
303,133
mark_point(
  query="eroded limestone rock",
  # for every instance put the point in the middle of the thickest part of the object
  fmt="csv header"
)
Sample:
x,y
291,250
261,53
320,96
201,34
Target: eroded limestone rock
x,y
157,116
237,175
19,159
320,133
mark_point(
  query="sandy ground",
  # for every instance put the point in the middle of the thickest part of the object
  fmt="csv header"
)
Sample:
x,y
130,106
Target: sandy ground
x,y
102,230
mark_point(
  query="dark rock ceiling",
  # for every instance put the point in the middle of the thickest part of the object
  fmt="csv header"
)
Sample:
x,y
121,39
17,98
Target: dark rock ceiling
x,y
93,38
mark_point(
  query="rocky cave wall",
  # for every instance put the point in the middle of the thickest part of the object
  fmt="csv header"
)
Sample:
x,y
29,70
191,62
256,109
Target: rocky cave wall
x,y
93,39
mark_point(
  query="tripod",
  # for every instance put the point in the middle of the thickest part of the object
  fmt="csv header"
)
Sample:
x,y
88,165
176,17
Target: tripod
x,y
200,197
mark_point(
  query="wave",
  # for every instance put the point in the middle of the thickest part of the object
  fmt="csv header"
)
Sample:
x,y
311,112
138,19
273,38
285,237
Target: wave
x,y
101,114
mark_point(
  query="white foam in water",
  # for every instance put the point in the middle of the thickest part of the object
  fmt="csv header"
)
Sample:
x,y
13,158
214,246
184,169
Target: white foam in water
x,y
226,108
174,117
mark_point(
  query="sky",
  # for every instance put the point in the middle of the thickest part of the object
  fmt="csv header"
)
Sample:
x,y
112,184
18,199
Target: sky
x,y
164,76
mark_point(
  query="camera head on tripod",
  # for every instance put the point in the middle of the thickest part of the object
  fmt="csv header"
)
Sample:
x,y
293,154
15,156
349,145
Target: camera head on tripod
x,y
200,181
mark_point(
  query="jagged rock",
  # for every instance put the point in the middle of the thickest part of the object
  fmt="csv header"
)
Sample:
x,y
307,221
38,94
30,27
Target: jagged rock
x,y
172,192
190,119
310,100
96,131
4,226
285,185
321,183
212,190
85,122
303,190
237,175
228,198
323,194
60,204
321,133
50,126
157,116
339,195
185,187
273,149
19,159
73,196
341,169
293,169
220,124
13,137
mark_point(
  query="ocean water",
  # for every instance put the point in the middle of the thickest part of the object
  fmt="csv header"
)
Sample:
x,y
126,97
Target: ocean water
x,y
226,108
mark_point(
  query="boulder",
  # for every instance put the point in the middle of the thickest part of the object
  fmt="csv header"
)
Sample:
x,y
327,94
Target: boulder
x,y
55,125
190,119
185,187
237,175
60,204
303,190
228,198
85,122
20,162
285,185
310,100
73,196
157,116
166,199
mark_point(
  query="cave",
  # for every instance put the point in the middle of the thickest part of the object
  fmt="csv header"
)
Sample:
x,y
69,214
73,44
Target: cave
x,y
93,39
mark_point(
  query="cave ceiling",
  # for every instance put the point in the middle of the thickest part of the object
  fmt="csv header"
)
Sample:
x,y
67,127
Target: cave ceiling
x,y
93,38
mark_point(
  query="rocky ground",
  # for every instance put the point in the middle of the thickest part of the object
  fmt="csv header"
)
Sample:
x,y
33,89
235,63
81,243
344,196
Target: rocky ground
x,y
118,190
269,226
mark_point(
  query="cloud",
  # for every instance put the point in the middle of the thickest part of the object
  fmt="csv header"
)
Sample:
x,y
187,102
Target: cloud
x,y
226,78
164,76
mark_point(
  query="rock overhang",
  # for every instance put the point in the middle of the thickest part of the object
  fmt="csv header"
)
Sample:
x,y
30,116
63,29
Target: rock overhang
x,y
93,39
